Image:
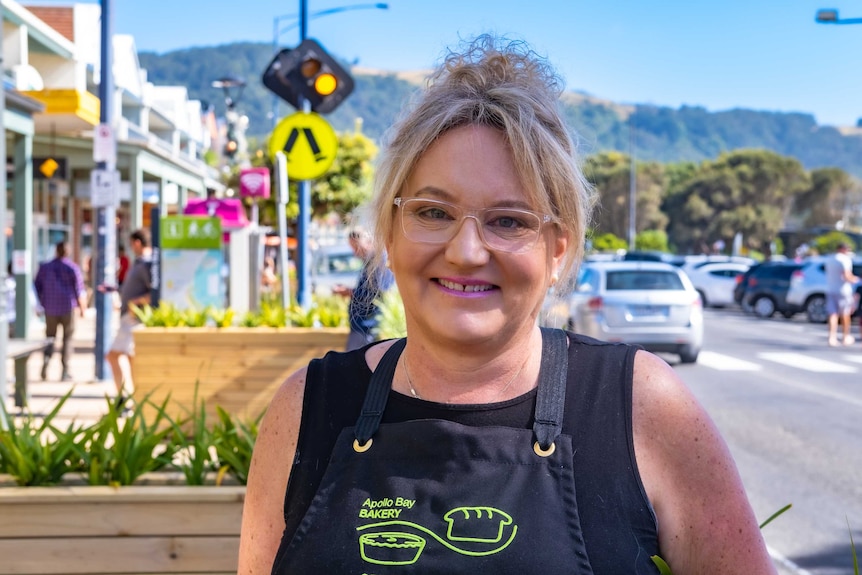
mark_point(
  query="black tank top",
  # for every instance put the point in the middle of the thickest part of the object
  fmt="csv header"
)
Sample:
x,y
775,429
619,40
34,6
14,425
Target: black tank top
x,y
616,517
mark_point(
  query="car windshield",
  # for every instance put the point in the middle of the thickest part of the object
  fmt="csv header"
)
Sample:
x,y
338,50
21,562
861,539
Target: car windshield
x,y
643,280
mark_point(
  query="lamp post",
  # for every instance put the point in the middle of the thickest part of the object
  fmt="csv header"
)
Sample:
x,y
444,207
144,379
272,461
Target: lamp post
x,y
830,16
300,20
235,129
633,185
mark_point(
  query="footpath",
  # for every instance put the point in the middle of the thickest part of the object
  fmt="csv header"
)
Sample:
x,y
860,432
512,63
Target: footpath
x,y
87,402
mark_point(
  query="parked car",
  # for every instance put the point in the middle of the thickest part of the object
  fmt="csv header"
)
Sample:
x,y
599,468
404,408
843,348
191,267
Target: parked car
x,y
762,290
653,256
651,304
715,282
807,292
333,265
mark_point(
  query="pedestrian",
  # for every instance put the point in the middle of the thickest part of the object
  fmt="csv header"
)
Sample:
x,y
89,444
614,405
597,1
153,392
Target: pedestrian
x,y
362,311
268,277
60,288
839,293
134,291
483,443
122,266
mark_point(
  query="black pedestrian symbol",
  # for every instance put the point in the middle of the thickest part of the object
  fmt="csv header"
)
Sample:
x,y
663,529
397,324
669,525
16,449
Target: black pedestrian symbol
x,y
312,143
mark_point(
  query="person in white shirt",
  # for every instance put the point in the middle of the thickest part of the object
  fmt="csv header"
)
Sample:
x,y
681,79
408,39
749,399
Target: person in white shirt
x,y
839,293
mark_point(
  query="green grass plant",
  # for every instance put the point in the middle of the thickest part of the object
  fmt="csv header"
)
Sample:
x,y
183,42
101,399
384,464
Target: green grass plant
x,y
234,440
119,449
35,452
192,441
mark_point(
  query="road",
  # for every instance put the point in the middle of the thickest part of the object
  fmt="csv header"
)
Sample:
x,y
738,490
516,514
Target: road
x,y
790,408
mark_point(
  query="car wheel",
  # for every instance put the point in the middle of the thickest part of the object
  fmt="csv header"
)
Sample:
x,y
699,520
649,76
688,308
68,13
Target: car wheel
x,y
815,309
703,299
763,306
688,353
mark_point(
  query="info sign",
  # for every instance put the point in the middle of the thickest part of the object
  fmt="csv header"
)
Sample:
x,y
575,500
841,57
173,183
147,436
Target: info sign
x,y
191,233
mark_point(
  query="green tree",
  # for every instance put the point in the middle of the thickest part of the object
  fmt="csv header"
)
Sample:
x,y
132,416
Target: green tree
x,y
747,191
828,243
652,240
827,200
606,243
610,173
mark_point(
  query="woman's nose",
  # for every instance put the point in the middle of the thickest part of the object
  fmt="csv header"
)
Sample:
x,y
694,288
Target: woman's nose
x,y
467,246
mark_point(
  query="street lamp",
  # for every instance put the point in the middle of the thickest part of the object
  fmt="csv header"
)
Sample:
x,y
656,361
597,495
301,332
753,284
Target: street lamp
x,y
830,16
234,124
277,32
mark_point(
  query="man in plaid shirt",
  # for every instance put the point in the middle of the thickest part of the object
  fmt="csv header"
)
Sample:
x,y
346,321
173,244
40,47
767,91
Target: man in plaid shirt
x,y
60,289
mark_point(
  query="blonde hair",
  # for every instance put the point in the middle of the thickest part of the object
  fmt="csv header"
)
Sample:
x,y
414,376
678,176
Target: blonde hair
x,y
506,86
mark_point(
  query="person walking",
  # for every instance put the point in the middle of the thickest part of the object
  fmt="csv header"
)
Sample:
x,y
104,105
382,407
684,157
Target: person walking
x,y
134,291
839,293
60,288
362,311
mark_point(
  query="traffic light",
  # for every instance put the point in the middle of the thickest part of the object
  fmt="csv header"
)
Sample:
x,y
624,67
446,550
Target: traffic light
x,y
308,72
231,144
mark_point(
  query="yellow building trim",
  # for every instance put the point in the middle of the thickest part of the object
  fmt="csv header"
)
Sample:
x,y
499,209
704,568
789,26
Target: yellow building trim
x,y
81,104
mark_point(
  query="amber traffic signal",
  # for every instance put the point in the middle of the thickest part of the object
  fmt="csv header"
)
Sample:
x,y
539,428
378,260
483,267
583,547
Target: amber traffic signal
x,y
308,72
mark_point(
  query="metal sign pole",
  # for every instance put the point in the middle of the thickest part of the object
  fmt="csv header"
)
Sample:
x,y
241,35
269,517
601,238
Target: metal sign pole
x,y
281,203
106,226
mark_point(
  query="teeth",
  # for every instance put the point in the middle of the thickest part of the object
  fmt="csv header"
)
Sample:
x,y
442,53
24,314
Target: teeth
x,y
462,287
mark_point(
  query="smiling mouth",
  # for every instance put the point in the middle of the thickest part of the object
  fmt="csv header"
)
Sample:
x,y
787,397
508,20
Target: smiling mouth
x,y
465,288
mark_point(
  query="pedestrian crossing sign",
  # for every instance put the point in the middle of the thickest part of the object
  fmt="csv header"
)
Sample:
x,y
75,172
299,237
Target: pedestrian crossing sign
x,y
308,142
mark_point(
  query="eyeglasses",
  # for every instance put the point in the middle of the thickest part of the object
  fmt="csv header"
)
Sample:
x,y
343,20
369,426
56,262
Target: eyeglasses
x,y
503,229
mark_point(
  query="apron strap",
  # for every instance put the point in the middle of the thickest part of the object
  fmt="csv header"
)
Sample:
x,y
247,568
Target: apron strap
x,y
550,401
378,393
551,398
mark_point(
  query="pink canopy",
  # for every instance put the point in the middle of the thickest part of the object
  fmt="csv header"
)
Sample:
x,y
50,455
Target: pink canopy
x,y
229,210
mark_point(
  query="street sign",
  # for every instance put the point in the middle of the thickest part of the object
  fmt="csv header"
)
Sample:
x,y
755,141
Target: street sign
x,y
105,145
190,233
104,188
254,183
308,142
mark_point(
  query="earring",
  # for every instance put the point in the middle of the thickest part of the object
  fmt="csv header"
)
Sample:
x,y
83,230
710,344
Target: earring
x,y
555,277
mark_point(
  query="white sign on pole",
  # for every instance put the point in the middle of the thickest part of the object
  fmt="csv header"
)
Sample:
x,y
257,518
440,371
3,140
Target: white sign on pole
x,y
105,145
104,188
20,262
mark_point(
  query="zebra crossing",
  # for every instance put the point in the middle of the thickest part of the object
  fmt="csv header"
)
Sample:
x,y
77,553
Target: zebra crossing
x,y
841,363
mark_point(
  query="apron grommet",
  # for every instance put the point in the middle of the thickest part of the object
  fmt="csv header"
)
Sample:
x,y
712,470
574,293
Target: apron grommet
x,y
544,452
362,448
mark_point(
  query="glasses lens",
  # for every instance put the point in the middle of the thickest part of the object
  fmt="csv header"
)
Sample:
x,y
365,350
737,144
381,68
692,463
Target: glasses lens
x,y
429,221
503,229
510,230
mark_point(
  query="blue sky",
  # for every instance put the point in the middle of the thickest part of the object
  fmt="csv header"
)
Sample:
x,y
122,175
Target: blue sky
x,y
757,54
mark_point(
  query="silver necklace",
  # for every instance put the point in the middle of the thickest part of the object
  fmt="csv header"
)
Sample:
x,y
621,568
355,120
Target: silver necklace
x,y
415,394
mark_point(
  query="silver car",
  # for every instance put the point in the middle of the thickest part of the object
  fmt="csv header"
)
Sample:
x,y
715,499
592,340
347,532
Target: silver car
x,y
807,291
651,304
334,266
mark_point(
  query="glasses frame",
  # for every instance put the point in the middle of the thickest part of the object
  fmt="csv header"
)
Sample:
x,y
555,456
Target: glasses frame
x,y
472,213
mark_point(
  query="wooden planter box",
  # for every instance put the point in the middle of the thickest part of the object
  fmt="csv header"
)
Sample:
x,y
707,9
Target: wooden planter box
x,y
140,530
238,369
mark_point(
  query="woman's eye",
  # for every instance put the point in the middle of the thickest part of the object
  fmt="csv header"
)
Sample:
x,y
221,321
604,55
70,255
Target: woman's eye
x,y
434,213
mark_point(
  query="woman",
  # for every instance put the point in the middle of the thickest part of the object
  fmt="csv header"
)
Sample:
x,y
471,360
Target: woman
x,y
483,443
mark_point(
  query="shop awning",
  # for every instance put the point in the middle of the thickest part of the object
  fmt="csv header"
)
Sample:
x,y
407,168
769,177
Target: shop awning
x,y
229,210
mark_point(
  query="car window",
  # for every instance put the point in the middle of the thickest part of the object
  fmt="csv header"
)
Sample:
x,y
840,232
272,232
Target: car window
x,y
587,280
342,263
643,280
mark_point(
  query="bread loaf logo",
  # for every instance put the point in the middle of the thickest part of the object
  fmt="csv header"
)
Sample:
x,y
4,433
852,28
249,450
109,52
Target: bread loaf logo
x,y
471,531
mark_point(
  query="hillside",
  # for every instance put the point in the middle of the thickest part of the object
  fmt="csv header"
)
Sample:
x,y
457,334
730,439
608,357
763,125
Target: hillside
x,y
661,133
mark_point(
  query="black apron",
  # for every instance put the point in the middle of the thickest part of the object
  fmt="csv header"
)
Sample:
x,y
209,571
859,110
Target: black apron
x,y
433,496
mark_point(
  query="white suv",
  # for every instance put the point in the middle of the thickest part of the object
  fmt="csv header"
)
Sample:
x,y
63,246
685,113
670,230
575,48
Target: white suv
x,y
808,288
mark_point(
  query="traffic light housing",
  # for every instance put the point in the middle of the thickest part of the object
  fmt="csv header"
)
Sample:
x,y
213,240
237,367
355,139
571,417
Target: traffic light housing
x,y
308,72
231,145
